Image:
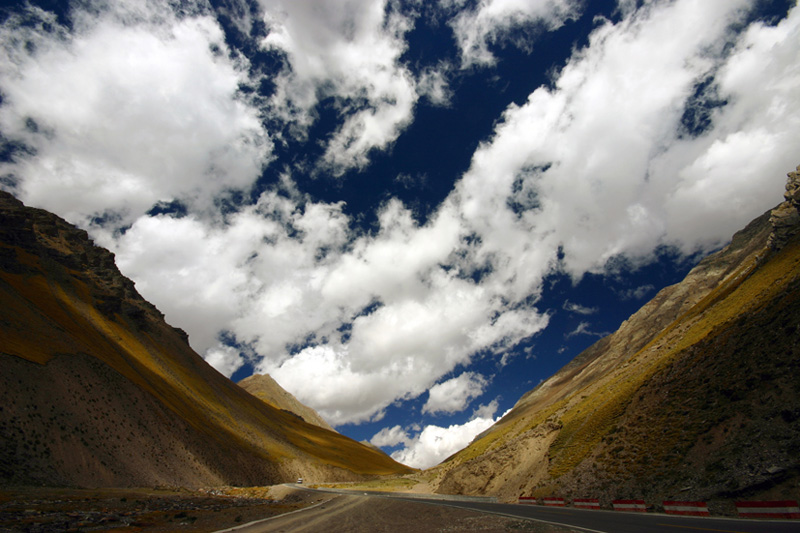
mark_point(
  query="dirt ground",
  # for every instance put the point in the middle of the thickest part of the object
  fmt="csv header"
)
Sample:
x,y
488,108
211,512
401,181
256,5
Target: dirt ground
x,y
45,510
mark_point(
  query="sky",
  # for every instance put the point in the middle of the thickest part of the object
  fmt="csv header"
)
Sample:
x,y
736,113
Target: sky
x,y
409,213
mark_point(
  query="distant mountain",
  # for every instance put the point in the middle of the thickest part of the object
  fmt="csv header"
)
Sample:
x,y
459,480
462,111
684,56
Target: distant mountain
x,y
263,387
96,389
695,396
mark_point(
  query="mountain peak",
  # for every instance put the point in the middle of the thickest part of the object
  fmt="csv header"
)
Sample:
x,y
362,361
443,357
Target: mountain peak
x,y
265,388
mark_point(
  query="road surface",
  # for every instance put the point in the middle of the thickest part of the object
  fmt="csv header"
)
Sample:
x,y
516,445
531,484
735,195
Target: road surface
x,y
348,511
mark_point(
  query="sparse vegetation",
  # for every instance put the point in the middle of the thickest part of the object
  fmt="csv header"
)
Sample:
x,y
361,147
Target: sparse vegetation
x,y
389,484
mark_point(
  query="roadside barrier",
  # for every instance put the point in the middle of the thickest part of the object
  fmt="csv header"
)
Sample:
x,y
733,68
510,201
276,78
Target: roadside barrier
x,y
554,502
586,503
637,506
686,508
767,509
527,499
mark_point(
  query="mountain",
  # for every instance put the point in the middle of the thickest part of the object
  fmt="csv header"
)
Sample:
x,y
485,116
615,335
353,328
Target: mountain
x,y
96,389
265,388
695,396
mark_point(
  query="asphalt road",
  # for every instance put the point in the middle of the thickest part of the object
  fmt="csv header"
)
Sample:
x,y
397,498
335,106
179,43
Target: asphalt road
x,y
621,522
581,519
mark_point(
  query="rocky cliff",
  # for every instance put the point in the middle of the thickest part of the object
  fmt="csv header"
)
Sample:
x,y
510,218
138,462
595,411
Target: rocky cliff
x,y
696,395
97,390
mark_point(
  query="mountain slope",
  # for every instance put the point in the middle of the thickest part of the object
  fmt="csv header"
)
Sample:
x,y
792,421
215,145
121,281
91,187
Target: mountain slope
x,y
263,387
695,396
97,389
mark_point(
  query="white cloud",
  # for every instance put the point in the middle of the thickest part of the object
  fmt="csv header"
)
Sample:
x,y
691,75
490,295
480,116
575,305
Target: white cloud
x,y
486,411
584,329
238,276
225,359
736,171
492,22
434,443
390,437
596,164
434,86
348,50
637,293
579,309
124,114
454,395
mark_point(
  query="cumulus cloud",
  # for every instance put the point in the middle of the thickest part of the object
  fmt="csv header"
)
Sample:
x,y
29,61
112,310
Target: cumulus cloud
x,y
348,50
434,443
255,269
390,437
454,394
497,22
597,166
226,359
423,320
433,85
127,110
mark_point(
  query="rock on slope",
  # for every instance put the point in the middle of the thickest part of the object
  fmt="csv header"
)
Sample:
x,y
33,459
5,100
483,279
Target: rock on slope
x,y
97,390
263,387
696,395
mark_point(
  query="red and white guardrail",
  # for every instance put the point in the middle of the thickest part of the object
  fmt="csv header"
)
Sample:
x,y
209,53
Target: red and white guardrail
x,y
686,508
786,509
586,503
766,509
637,506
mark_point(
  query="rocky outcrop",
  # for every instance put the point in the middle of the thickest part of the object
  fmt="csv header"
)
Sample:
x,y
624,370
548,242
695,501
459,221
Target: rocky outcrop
x,y
694,397
58,243
785,218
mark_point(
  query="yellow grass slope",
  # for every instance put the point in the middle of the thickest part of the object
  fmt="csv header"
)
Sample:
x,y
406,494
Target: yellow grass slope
x,y
64,305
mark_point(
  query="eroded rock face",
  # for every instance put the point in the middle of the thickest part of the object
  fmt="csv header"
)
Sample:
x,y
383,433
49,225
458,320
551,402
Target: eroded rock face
x,y
785,218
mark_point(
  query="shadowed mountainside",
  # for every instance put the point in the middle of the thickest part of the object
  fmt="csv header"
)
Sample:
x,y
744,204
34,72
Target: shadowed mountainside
x,y
695,396
97,390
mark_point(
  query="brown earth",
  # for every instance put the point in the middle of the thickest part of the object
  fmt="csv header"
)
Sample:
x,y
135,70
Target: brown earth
x,y
49,510
38,510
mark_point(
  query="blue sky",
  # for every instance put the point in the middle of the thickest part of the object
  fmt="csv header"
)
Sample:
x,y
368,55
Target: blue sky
x,y
408,213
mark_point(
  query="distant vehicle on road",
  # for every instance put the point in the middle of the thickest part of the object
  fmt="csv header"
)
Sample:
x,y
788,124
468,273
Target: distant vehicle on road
x,y
299,481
